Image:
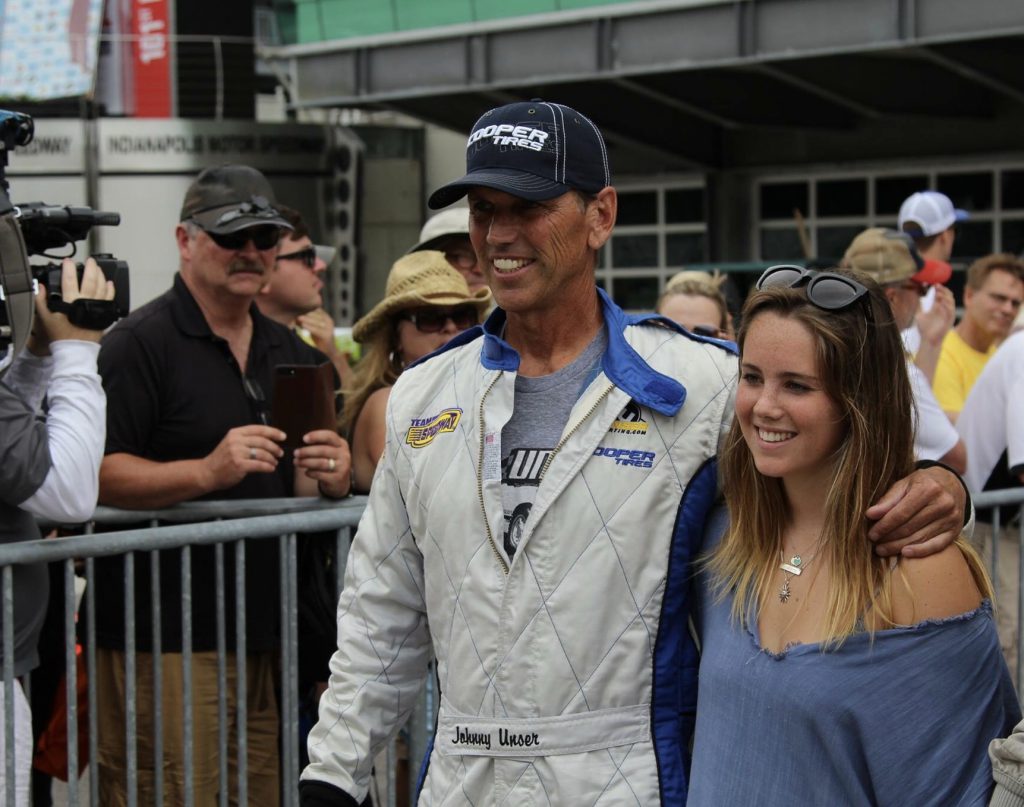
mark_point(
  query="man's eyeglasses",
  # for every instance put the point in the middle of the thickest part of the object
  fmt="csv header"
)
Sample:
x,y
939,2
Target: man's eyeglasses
x,y
707,330
461,258
263,237
433,320
913,285
826,290
307,256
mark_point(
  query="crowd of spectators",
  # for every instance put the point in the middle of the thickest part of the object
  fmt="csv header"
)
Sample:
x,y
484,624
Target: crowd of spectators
x,y
187,381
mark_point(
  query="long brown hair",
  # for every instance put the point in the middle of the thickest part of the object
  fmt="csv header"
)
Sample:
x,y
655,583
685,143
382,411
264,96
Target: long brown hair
x,y
379,367
862,365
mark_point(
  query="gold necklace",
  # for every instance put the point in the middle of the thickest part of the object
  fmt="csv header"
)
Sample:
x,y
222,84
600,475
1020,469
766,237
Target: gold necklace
x,y
794,568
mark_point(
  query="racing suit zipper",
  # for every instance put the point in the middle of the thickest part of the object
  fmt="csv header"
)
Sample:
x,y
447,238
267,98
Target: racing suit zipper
x,y
572,431
543,470
480,480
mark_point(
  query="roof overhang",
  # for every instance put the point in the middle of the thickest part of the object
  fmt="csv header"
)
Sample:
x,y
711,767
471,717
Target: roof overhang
x,y
708,84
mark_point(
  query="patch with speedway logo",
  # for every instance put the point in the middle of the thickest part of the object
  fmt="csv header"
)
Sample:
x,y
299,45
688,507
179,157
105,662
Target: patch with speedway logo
x,y
631,421
423,430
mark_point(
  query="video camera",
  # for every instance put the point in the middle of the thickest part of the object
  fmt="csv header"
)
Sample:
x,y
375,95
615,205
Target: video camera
x,y
36,228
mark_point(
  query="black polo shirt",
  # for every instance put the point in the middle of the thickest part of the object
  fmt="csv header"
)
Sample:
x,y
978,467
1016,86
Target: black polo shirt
x,y
173,391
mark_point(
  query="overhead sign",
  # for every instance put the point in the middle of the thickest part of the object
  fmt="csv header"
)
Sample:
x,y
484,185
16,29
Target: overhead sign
x,y
57,148
151,73
133,146
149,146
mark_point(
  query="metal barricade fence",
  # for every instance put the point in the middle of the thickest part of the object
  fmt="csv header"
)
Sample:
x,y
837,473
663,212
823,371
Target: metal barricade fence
x,y
188,525
1007,510
183,527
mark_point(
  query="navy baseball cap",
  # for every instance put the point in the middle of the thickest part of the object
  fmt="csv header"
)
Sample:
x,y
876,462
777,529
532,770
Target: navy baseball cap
x,y
535,150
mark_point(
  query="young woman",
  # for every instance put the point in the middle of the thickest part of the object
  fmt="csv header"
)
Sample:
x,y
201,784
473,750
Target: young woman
x,y
426,303
830,675
695,300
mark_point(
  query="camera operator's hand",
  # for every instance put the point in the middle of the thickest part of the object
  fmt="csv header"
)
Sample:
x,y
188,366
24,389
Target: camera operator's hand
x,y
52,327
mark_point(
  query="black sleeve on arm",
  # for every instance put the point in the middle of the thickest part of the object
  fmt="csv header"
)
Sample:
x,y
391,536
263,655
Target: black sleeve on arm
x,y
321,794
920,465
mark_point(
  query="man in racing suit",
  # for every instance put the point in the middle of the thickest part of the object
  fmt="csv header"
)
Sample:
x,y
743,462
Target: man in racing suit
x,y
544,488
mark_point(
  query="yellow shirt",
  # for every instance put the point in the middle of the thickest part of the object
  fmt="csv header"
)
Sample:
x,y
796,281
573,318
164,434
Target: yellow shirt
x,y
958,368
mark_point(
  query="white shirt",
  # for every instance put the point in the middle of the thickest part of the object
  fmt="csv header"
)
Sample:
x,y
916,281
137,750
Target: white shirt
x,y
934,434
76,426
912,336
991,422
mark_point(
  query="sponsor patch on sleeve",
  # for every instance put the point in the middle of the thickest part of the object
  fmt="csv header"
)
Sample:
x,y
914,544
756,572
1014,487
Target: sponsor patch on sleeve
x,y
423,430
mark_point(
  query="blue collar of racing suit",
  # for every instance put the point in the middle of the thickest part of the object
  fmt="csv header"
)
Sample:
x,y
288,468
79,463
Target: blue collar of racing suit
x,y
621,363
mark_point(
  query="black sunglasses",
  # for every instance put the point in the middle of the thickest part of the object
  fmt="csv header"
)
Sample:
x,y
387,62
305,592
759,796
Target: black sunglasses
x,y
433,320
265,236
706,330
254,392
307,256
826,290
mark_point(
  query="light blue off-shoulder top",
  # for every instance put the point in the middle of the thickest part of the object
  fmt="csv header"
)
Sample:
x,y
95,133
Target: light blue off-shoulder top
x,y
903,720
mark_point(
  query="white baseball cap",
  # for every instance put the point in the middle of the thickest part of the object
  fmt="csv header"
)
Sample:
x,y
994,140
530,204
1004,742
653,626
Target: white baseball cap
x,y
933,211
453,221
325,253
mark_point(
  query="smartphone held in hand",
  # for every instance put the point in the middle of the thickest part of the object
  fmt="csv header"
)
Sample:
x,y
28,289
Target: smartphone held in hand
x,y
303,400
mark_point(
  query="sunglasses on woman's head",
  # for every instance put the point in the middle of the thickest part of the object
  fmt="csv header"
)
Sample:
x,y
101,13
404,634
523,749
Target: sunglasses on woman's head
x,y
264,236
433,320
826,290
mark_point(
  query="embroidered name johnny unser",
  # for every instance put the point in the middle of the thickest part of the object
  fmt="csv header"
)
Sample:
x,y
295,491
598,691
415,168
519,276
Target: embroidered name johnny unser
x,y
505,134
506,739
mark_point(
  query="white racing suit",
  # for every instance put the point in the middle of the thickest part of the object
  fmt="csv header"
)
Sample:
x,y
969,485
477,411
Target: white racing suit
x,y
568,675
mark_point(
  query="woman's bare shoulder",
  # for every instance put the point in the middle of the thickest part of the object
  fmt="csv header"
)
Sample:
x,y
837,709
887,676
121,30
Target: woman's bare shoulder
x,y
368,437
378,399
935,587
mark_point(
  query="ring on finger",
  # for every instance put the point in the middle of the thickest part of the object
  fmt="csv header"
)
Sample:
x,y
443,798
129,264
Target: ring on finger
x,y
331,463
252,452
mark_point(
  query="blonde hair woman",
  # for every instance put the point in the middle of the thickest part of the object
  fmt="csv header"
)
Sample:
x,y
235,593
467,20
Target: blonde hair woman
x,y
830,675
695,300
426,303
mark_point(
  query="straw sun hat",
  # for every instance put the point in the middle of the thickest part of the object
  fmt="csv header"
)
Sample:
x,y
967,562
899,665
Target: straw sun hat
x,y
419,279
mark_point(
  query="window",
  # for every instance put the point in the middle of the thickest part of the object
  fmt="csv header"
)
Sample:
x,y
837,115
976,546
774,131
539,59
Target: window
x,y
684,248
659,230
833,209
843,197
891,191
684,206
970,192
631,251
637,208
1013,237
